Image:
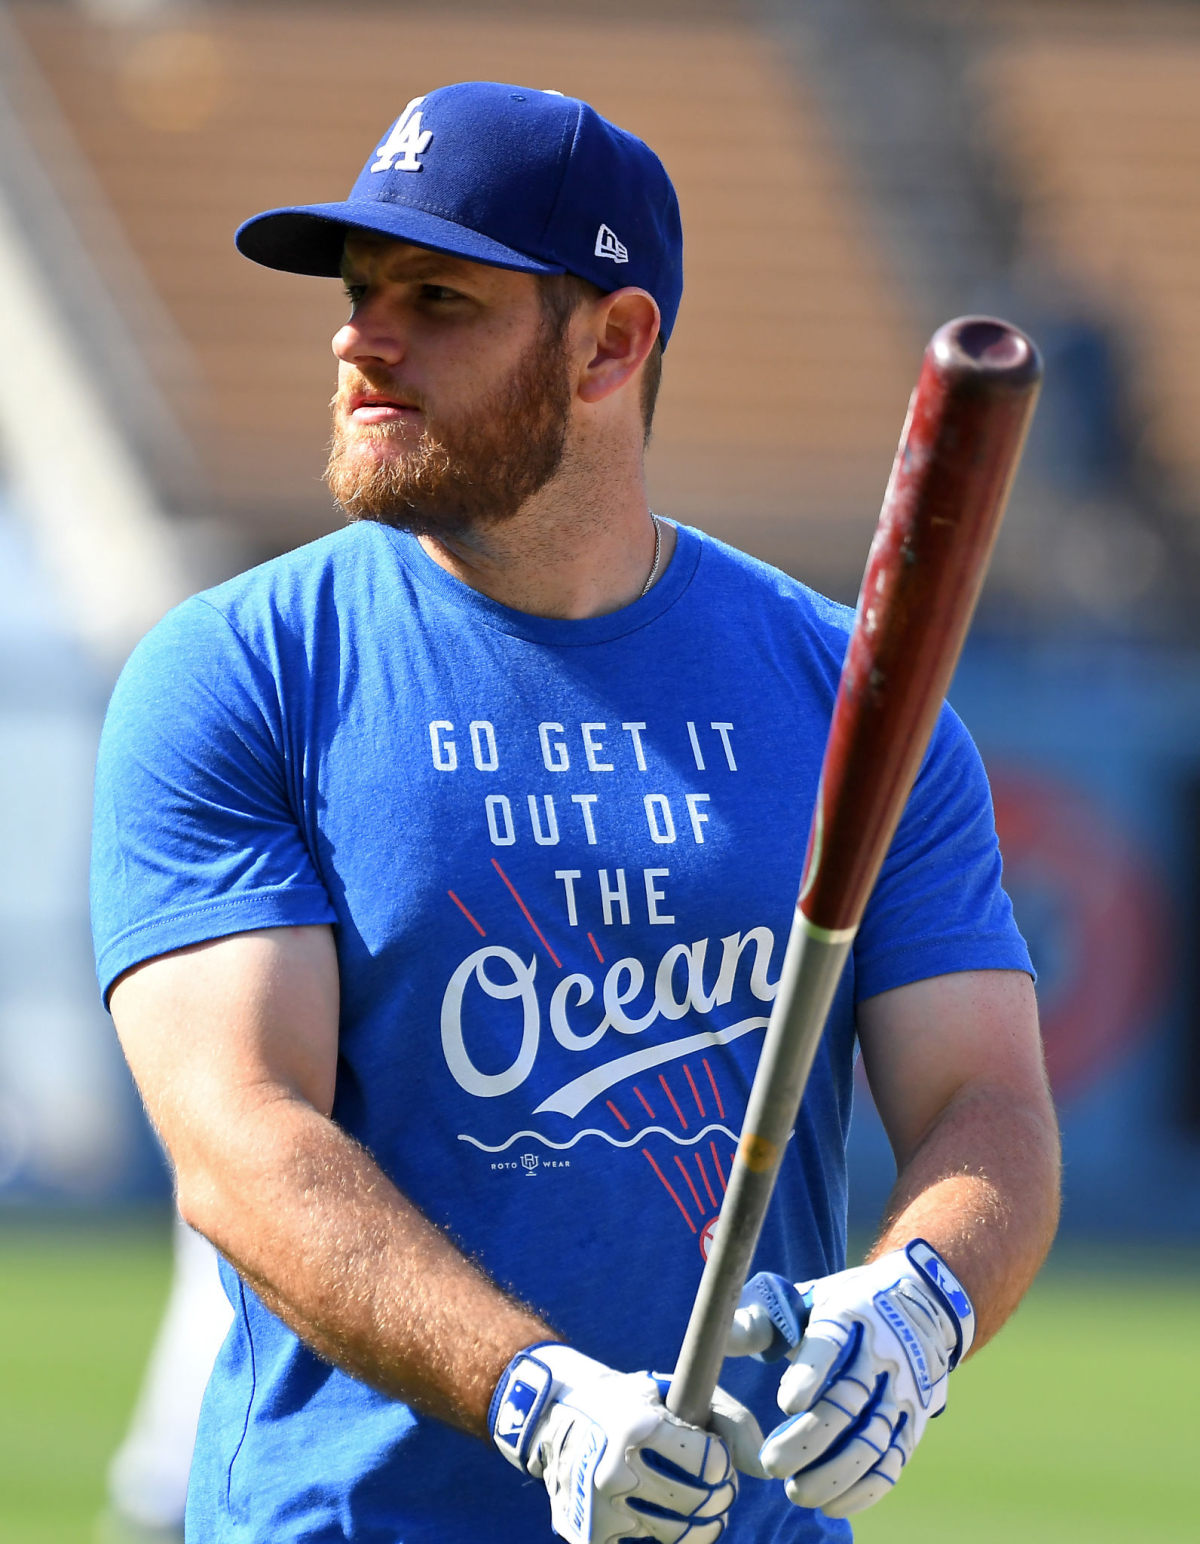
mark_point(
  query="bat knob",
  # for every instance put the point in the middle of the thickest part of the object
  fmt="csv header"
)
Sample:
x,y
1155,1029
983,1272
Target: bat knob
x,y
985,349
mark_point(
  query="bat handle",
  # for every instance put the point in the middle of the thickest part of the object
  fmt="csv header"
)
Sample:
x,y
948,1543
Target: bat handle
x,y
812,968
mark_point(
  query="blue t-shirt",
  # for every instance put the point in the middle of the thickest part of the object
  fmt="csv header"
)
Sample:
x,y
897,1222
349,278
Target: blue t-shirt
x,y
560,859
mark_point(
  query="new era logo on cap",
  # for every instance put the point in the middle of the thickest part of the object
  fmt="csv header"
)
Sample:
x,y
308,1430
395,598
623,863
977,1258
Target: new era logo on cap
x,y
607,245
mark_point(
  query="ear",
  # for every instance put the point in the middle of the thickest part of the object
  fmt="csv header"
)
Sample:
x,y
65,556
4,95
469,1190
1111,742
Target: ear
x,y
619,333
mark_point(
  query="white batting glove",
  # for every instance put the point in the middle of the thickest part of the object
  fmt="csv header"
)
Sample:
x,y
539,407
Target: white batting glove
x,y
871,1350
615,1462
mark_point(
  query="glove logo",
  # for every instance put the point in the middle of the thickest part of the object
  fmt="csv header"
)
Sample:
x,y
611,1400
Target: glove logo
x,y
517,1406
898,1323
580,1516
955,1295
518,1402
932,1266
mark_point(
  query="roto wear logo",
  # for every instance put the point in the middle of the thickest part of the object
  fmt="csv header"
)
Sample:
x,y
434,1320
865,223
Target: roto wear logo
x,y
514,981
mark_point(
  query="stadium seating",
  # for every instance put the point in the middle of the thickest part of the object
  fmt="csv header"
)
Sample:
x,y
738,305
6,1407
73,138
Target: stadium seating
x,y
1098,109
785,386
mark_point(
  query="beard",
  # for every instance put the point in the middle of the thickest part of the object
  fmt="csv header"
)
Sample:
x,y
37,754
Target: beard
x,y
463,473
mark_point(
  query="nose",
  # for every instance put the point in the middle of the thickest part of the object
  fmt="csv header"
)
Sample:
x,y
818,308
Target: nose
x,y
373,335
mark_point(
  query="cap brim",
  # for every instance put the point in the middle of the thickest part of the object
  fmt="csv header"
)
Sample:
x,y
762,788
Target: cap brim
x,y
309,238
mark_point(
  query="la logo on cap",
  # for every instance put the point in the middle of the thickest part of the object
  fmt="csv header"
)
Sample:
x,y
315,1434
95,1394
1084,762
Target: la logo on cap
x,y
405,143
607,245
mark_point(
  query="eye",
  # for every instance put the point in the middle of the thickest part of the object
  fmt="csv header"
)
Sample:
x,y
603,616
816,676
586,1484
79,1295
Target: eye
x,y
439,293
354,292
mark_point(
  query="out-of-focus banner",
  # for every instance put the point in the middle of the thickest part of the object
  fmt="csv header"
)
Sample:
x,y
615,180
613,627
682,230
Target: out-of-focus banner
x,y
1093,754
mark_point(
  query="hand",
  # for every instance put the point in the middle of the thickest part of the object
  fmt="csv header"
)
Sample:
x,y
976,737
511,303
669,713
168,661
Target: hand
x,y
871,1350
616,1463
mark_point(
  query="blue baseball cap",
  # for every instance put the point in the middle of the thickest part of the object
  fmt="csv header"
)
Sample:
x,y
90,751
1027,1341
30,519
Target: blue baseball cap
x,y
505,175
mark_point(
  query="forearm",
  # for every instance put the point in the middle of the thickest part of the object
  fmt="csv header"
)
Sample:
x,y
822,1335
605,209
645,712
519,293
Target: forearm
x,y
982,1187
335,1250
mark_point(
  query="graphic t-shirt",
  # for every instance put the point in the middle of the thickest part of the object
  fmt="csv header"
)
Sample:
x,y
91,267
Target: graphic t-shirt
x,y
560,860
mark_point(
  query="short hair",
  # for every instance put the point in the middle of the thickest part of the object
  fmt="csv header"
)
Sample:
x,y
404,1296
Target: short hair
x,y
562,295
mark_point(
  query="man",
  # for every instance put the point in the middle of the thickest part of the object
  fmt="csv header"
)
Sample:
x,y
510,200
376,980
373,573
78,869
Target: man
x,y
442,876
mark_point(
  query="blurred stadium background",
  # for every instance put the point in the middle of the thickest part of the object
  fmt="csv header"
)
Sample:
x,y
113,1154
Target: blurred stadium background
x,y
851,173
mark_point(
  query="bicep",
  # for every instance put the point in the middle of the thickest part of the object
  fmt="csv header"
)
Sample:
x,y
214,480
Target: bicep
x,y
213,1029
924,1044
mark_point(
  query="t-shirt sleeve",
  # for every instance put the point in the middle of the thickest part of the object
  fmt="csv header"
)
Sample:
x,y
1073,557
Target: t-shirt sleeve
x,y
938,906
195,835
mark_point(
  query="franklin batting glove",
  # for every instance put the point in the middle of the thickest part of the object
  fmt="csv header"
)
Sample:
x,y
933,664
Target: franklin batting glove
x,y
615,1462
871,1350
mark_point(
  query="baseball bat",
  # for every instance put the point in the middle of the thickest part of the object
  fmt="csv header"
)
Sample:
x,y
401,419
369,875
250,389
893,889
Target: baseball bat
x,y
958,453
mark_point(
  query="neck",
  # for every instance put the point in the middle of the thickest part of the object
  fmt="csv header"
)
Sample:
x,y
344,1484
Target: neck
x,y
581,547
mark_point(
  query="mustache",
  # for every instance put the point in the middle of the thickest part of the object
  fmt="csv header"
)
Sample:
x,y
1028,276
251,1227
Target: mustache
x,y
360,382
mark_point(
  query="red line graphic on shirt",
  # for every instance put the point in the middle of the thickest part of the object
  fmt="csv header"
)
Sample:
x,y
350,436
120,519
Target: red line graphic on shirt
x,y
670,1189
525,909
618,1114
674,1102
645,1102
687,1072
704,1177
701,1170
687,1179
715,1089
466,913
596,947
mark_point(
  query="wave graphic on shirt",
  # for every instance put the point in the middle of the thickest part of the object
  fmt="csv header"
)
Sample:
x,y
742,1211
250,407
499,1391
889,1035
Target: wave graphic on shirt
x,y
591,1131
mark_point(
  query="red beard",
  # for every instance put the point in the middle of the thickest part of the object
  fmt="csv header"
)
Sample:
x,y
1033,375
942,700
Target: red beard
x,y
458,475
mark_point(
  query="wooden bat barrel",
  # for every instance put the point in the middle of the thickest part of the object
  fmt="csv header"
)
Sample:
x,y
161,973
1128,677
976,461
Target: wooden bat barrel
x,y
958,454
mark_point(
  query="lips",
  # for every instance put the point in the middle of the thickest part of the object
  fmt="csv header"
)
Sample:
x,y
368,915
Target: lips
x,y
378,408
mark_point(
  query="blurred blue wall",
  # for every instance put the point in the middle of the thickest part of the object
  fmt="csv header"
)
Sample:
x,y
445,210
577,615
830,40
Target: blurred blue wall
x,y
1094,754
